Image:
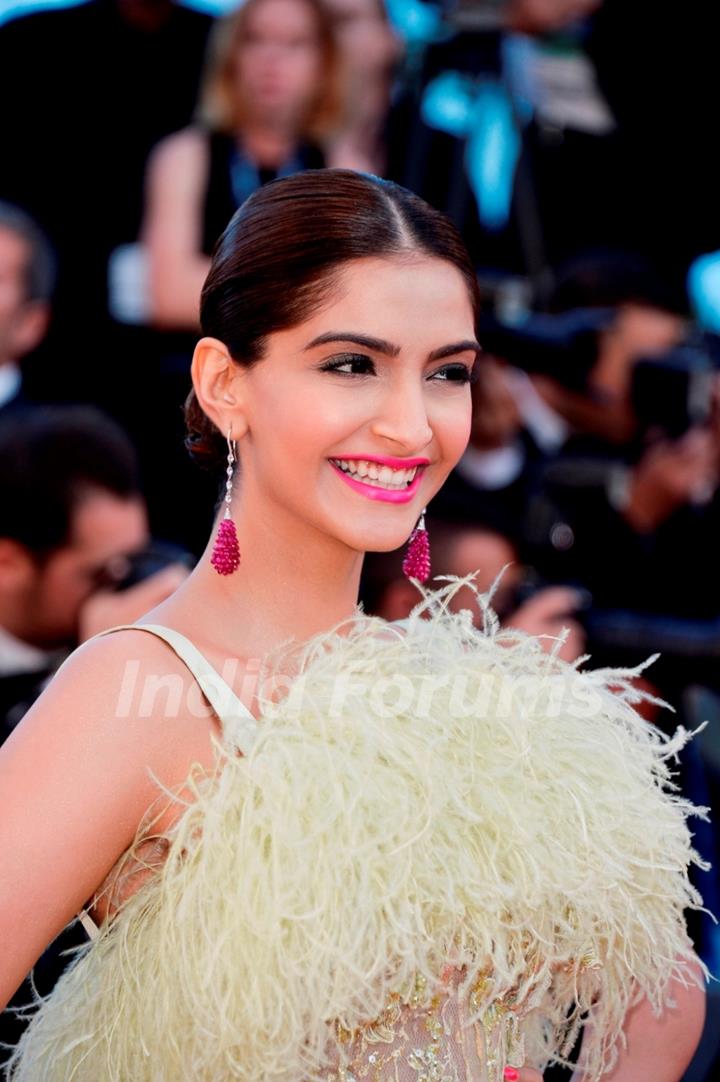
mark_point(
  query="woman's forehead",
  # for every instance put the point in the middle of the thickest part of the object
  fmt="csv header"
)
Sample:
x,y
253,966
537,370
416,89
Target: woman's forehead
x,y
384,290
285,13
422,303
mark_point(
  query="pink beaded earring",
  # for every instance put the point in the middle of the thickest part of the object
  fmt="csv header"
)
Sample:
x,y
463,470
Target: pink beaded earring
x,y
226,550
416,564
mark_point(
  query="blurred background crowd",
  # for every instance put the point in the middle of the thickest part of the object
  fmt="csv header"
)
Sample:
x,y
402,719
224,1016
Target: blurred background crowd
x,y
570,142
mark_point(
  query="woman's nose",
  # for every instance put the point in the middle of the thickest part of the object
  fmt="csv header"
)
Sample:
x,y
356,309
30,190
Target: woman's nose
x,y
403,418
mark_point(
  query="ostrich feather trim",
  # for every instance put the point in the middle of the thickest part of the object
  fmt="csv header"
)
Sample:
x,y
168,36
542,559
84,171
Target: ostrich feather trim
x,y
421,793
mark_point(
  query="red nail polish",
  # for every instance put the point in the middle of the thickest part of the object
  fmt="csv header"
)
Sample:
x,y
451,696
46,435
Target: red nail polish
x,y
511,1074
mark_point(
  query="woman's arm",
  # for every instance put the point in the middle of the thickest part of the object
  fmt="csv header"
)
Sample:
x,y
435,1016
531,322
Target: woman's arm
x,y
659,1049
172,228
75,784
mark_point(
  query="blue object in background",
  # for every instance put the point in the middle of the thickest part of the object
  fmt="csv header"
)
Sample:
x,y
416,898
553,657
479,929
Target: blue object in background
x,y
447,103
481,112
10,9
492,153
417,22
703,286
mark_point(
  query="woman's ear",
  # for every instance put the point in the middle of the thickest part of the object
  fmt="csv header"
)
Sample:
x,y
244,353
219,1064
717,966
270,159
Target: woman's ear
x,y
17,568
215,377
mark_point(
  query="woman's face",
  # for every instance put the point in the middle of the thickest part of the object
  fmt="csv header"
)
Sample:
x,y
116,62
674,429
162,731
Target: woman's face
x,y
356,416
369,44
279,62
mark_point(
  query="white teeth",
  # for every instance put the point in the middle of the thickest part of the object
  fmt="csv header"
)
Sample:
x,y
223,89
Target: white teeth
x,y
381,476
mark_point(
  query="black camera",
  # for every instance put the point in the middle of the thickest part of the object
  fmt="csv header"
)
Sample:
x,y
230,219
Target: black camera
x,y
564,346
674,392
670,393
126,571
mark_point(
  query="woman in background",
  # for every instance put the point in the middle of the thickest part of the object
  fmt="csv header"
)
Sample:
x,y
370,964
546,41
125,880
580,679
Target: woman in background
x,y
269,104
372,51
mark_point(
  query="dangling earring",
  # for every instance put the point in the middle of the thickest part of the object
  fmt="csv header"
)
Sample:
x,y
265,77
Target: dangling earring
x,y
226,550
416,564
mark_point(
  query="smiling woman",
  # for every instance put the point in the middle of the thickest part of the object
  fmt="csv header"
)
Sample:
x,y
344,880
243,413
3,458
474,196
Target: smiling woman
x,y
394,851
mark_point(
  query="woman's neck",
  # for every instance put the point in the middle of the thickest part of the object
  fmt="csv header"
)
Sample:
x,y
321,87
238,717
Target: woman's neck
x,y
287,586
268,143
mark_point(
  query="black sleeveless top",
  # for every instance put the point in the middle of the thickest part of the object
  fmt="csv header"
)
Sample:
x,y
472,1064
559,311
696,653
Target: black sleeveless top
x,y
232,177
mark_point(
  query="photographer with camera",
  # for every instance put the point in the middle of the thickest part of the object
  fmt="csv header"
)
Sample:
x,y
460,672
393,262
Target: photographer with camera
x,y
73,528
628,506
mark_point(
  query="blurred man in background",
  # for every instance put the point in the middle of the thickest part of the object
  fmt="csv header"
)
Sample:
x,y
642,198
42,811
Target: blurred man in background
x,y
71,513
27,276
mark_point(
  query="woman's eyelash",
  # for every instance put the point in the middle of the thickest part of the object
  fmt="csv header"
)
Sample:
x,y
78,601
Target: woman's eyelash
x,y
349,358
450,373
458,373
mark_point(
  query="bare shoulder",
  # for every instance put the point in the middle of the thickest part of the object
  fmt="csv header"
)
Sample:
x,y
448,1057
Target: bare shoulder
x,y
186,150
126,695
176,178
77,776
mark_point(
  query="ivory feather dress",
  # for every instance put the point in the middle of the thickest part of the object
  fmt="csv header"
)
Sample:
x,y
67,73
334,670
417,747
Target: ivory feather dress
x,y
445,850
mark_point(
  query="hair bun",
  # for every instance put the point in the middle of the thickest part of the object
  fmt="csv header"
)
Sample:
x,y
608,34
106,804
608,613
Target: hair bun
x,y
203,440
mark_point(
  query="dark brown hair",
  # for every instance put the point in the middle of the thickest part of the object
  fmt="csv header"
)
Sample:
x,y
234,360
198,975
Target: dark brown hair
x,y
277,260
67,452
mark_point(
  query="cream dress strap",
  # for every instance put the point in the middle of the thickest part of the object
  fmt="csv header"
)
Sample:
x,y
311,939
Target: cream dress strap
x,y
238,723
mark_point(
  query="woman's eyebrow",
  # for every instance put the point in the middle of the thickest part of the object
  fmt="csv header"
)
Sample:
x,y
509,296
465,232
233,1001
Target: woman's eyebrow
x,y
379,345
456,347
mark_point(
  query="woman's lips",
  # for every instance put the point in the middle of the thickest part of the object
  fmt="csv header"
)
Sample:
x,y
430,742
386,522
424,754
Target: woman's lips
x,y
374,492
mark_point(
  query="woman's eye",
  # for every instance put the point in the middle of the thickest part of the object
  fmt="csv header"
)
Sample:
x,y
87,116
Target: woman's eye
x,y
455,373
357,364
351,364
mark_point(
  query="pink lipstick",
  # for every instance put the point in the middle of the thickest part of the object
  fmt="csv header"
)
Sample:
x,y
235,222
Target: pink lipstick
x,y
375,492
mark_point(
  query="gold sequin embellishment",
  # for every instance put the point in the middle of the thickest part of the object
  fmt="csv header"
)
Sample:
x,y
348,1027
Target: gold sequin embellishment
x,y
420,1037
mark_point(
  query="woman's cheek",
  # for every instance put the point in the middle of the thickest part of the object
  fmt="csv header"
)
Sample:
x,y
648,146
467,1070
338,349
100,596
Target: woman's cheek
x,y
453,431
